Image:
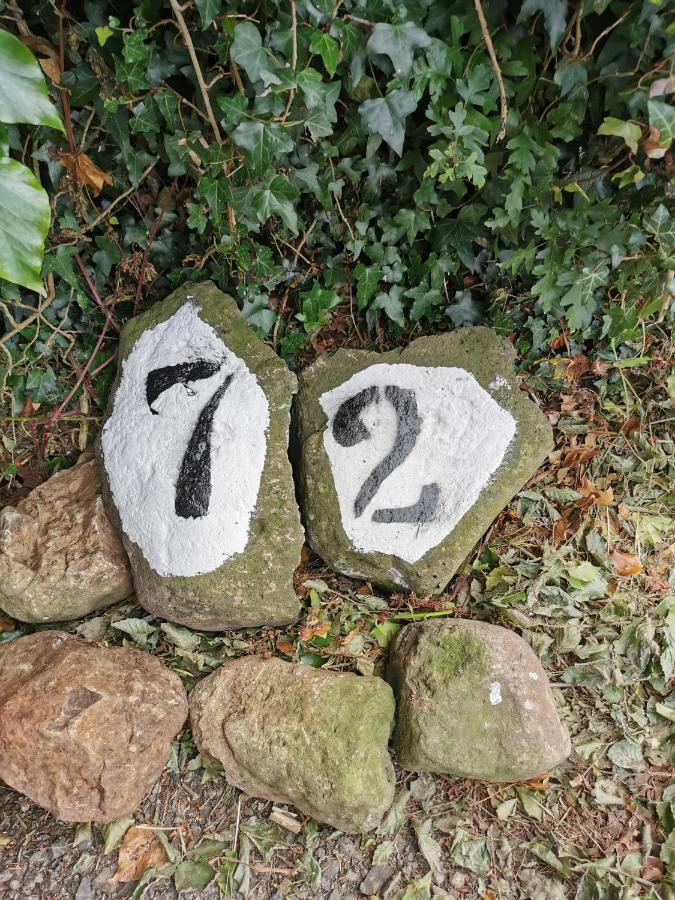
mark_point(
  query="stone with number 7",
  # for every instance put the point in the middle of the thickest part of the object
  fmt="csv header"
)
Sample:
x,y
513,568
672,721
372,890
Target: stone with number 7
x,y
407,457
194,452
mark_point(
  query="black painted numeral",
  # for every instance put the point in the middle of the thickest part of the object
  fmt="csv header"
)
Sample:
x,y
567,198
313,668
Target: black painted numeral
x,y
193,485
349,430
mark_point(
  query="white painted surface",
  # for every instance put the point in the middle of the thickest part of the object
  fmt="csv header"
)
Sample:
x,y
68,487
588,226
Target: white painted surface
x,y
495,693
534,676
143,452
464,436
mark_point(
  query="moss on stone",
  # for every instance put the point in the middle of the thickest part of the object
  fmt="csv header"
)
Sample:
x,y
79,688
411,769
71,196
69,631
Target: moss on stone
x,y
455,654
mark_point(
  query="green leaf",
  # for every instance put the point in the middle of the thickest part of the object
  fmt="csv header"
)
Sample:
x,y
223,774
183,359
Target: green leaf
x,y
385,631
261,143
470,853
628,755
662,117
662,226
327,48
208,10
181,637
103,34
555,16
386,116
113,832
24,222
429,846
280,199
629,131
367,281
193,876
23,92
390,302
315,305
248,52
398,42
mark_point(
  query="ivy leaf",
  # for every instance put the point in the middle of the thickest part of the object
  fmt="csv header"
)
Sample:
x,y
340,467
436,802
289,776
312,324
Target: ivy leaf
x,y
662,117
398,42
579,300
367,281
24,222
261,143
457,234
629,131
279,198
386,116
660,224
248,52
23,92
327,48
208,10
315,305
555,16
390,302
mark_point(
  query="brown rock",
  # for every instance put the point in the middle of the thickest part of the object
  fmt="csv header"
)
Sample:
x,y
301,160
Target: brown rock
x,y
84,730
60,556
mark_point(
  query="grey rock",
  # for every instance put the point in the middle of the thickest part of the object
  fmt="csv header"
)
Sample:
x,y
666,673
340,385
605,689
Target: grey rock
x,y
490,359
255,586
60,555
473,700
376,879
299,735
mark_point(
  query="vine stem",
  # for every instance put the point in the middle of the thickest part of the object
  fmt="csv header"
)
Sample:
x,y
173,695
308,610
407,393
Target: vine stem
x,y
182,27
504,107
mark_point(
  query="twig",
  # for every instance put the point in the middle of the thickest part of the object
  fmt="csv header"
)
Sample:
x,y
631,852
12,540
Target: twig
x,y
116,202
504,107
294,58
182,27
151,240
92,290
56,415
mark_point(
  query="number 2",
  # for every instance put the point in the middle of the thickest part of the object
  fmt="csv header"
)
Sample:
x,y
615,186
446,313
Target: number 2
x,y
349,430
193,485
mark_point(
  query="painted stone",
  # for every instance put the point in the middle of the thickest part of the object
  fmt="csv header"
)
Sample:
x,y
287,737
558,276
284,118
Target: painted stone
x,y
294,734
85,731
60,555
473,700
195,455
406,457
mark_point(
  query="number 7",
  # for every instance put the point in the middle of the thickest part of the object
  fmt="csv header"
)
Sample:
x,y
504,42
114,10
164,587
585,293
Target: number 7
x,y
193,485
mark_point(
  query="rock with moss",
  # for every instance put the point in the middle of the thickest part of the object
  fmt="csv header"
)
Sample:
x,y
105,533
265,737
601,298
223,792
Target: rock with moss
x,y
406,457
196,470
294,734
474,701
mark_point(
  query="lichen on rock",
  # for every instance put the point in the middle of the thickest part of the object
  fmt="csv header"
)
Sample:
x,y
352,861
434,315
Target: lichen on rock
x,y
294,734
473,700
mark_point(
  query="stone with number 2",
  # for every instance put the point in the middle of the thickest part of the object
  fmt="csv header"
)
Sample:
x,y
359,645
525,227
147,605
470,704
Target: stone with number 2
x,y
407,457
196,471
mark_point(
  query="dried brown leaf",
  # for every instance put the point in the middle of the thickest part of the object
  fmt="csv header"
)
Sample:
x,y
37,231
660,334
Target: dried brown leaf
x,y
625,564
140,850
85,171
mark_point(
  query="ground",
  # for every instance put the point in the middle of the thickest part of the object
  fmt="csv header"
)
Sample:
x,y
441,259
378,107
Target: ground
x,y
581,564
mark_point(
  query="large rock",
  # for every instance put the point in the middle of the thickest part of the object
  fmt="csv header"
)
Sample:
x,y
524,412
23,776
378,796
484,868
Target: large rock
x,y
195,453
60,556
298,735
406,457
85,731
473,700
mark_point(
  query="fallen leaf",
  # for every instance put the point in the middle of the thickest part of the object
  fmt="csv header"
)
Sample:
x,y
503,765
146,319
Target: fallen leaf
x,y
317,629
6,624
662,86
597,495
652,144
285,647
140,850
51,68
85,171
625,564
